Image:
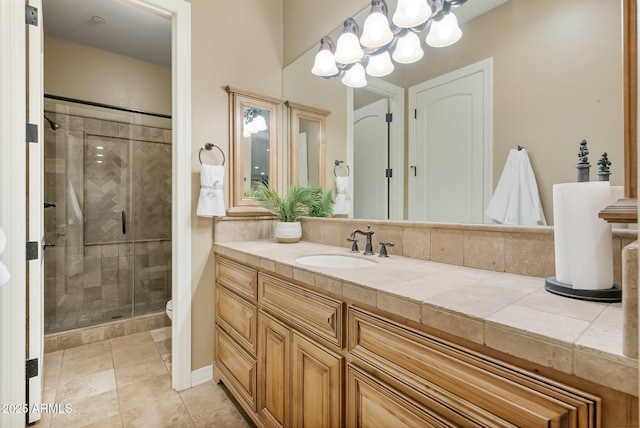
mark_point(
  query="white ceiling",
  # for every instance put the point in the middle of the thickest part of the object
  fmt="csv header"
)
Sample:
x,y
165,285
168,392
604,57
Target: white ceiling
x,y
127,31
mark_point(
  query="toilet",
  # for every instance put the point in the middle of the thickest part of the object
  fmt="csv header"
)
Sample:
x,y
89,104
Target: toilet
x,y
169,309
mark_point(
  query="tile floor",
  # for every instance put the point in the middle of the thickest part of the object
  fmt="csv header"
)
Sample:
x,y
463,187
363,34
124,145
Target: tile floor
x,y
125,382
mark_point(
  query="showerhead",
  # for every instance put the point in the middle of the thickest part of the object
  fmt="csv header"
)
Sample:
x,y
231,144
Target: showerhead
x,y
52,124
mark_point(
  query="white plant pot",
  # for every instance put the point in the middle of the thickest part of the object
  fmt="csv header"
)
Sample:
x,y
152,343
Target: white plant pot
x,y
288,232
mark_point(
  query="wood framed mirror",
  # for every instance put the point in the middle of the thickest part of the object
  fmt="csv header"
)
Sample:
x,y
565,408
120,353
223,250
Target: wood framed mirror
x,y
626,210
306,144
255,125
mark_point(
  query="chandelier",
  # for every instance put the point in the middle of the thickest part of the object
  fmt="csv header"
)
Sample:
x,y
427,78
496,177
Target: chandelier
x,y
381,40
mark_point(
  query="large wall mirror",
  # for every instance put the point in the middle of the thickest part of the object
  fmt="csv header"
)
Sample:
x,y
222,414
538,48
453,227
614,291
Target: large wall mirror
x,y
306,144
556,80
255,140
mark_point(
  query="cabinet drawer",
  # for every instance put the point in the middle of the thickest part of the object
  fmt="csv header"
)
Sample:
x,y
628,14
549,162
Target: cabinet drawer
x,y
237,368
238,278
312,312
237,317
484,388
372,404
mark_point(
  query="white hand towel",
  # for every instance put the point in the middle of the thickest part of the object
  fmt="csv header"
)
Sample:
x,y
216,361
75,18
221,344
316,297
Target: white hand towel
x,y
516,199
211,201
342,203
4,272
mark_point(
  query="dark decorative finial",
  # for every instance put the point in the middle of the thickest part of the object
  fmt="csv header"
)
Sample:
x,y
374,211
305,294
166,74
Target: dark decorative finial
x,y
604,171
583,162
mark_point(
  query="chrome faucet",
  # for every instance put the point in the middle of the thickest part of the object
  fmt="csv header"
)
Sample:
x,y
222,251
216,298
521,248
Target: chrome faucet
x,y
368,250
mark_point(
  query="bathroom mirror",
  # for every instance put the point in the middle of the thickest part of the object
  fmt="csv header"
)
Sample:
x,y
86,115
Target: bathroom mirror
x,y
306,144
556,81
255,140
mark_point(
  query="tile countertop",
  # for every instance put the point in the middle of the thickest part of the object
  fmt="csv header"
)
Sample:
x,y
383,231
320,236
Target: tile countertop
x,y
513,314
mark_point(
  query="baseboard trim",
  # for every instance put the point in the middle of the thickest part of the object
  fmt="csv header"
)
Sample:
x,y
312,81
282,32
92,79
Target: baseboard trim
x,y
202,375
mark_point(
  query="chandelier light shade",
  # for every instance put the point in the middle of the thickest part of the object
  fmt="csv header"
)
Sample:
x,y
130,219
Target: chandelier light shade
x,y
411,13
254,122
348,49
325,62
355,77
380,65
444,32
376,32
408,49
383,40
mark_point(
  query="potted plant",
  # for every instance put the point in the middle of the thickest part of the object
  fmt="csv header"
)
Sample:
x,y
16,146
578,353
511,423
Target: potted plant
x,y
288,209
300,201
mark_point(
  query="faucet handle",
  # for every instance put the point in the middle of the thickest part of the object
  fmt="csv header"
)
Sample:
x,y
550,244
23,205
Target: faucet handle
x,y
354,246
383,250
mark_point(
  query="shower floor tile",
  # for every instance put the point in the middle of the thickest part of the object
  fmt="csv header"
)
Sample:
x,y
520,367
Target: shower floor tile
x,y
138,394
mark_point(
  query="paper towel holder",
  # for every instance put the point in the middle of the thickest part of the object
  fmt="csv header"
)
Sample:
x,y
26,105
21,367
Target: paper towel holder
x,y
609,295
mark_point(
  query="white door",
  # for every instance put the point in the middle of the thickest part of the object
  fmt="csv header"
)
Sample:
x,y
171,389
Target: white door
x,y
450,152
370,190
35,302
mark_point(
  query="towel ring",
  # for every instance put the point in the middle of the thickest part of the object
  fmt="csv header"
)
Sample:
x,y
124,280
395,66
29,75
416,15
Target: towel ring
x,y
337,163
209,147
521,147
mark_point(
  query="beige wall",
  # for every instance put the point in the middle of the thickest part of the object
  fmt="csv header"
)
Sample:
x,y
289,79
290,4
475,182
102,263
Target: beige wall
x,y
307,21
237,43
85,73
557,80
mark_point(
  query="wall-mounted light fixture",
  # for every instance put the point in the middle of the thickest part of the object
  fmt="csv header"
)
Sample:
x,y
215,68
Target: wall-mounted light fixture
x,y
382,40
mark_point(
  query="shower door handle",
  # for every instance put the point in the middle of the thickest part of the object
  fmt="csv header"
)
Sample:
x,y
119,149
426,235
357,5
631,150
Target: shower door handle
x,y
124,223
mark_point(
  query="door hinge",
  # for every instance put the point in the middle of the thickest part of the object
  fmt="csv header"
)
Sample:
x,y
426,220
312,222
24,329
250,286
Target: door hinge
x,y
31,15
32,250
389,173
389,117
32,368
415,113
32,133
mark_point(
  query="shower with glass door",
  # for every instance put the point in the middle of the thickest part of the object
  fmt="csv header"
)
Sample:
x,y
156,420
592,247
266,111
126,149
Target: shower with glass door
x,y
108,210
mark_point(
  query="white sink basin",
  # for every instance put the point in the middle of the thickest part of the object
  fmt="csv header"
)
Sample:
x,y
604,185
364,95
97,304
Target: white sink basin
x,y
335,261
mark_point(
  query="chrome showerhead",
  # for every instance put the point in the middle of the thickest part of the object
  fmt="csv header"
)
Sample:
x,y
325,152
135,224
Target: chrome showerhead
x,y
54,125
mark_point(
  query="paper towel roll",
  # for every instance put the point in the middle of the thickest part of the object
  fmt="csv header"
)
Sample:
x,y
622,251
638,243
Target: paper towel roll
x,y
583,242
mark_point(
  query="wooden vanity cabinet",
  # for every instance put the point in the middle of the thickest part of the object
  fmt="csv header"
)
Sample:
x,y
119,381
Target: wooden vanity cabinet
x,y
293,357
278,348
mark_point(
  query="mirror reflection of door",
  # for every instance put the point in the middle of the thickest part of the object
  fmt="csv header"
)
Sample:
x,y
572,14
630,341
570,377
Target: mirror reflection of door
x,y
370,189
308,152
450,152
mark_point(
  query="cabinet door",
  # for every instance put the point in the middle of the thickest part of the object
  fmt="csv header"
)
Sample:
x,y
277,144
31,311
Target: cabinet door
x,y
316,385
274,352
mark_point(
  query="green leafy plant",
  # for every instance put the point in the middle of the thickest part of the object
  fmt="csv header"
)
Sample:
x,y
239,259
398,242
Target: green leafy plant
x,y
322,203
289,208
300,201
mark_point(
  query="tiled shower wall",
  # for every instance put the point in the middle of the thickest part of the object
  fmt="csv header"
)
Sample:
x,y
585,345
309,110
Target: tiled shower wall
x,y
96,273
